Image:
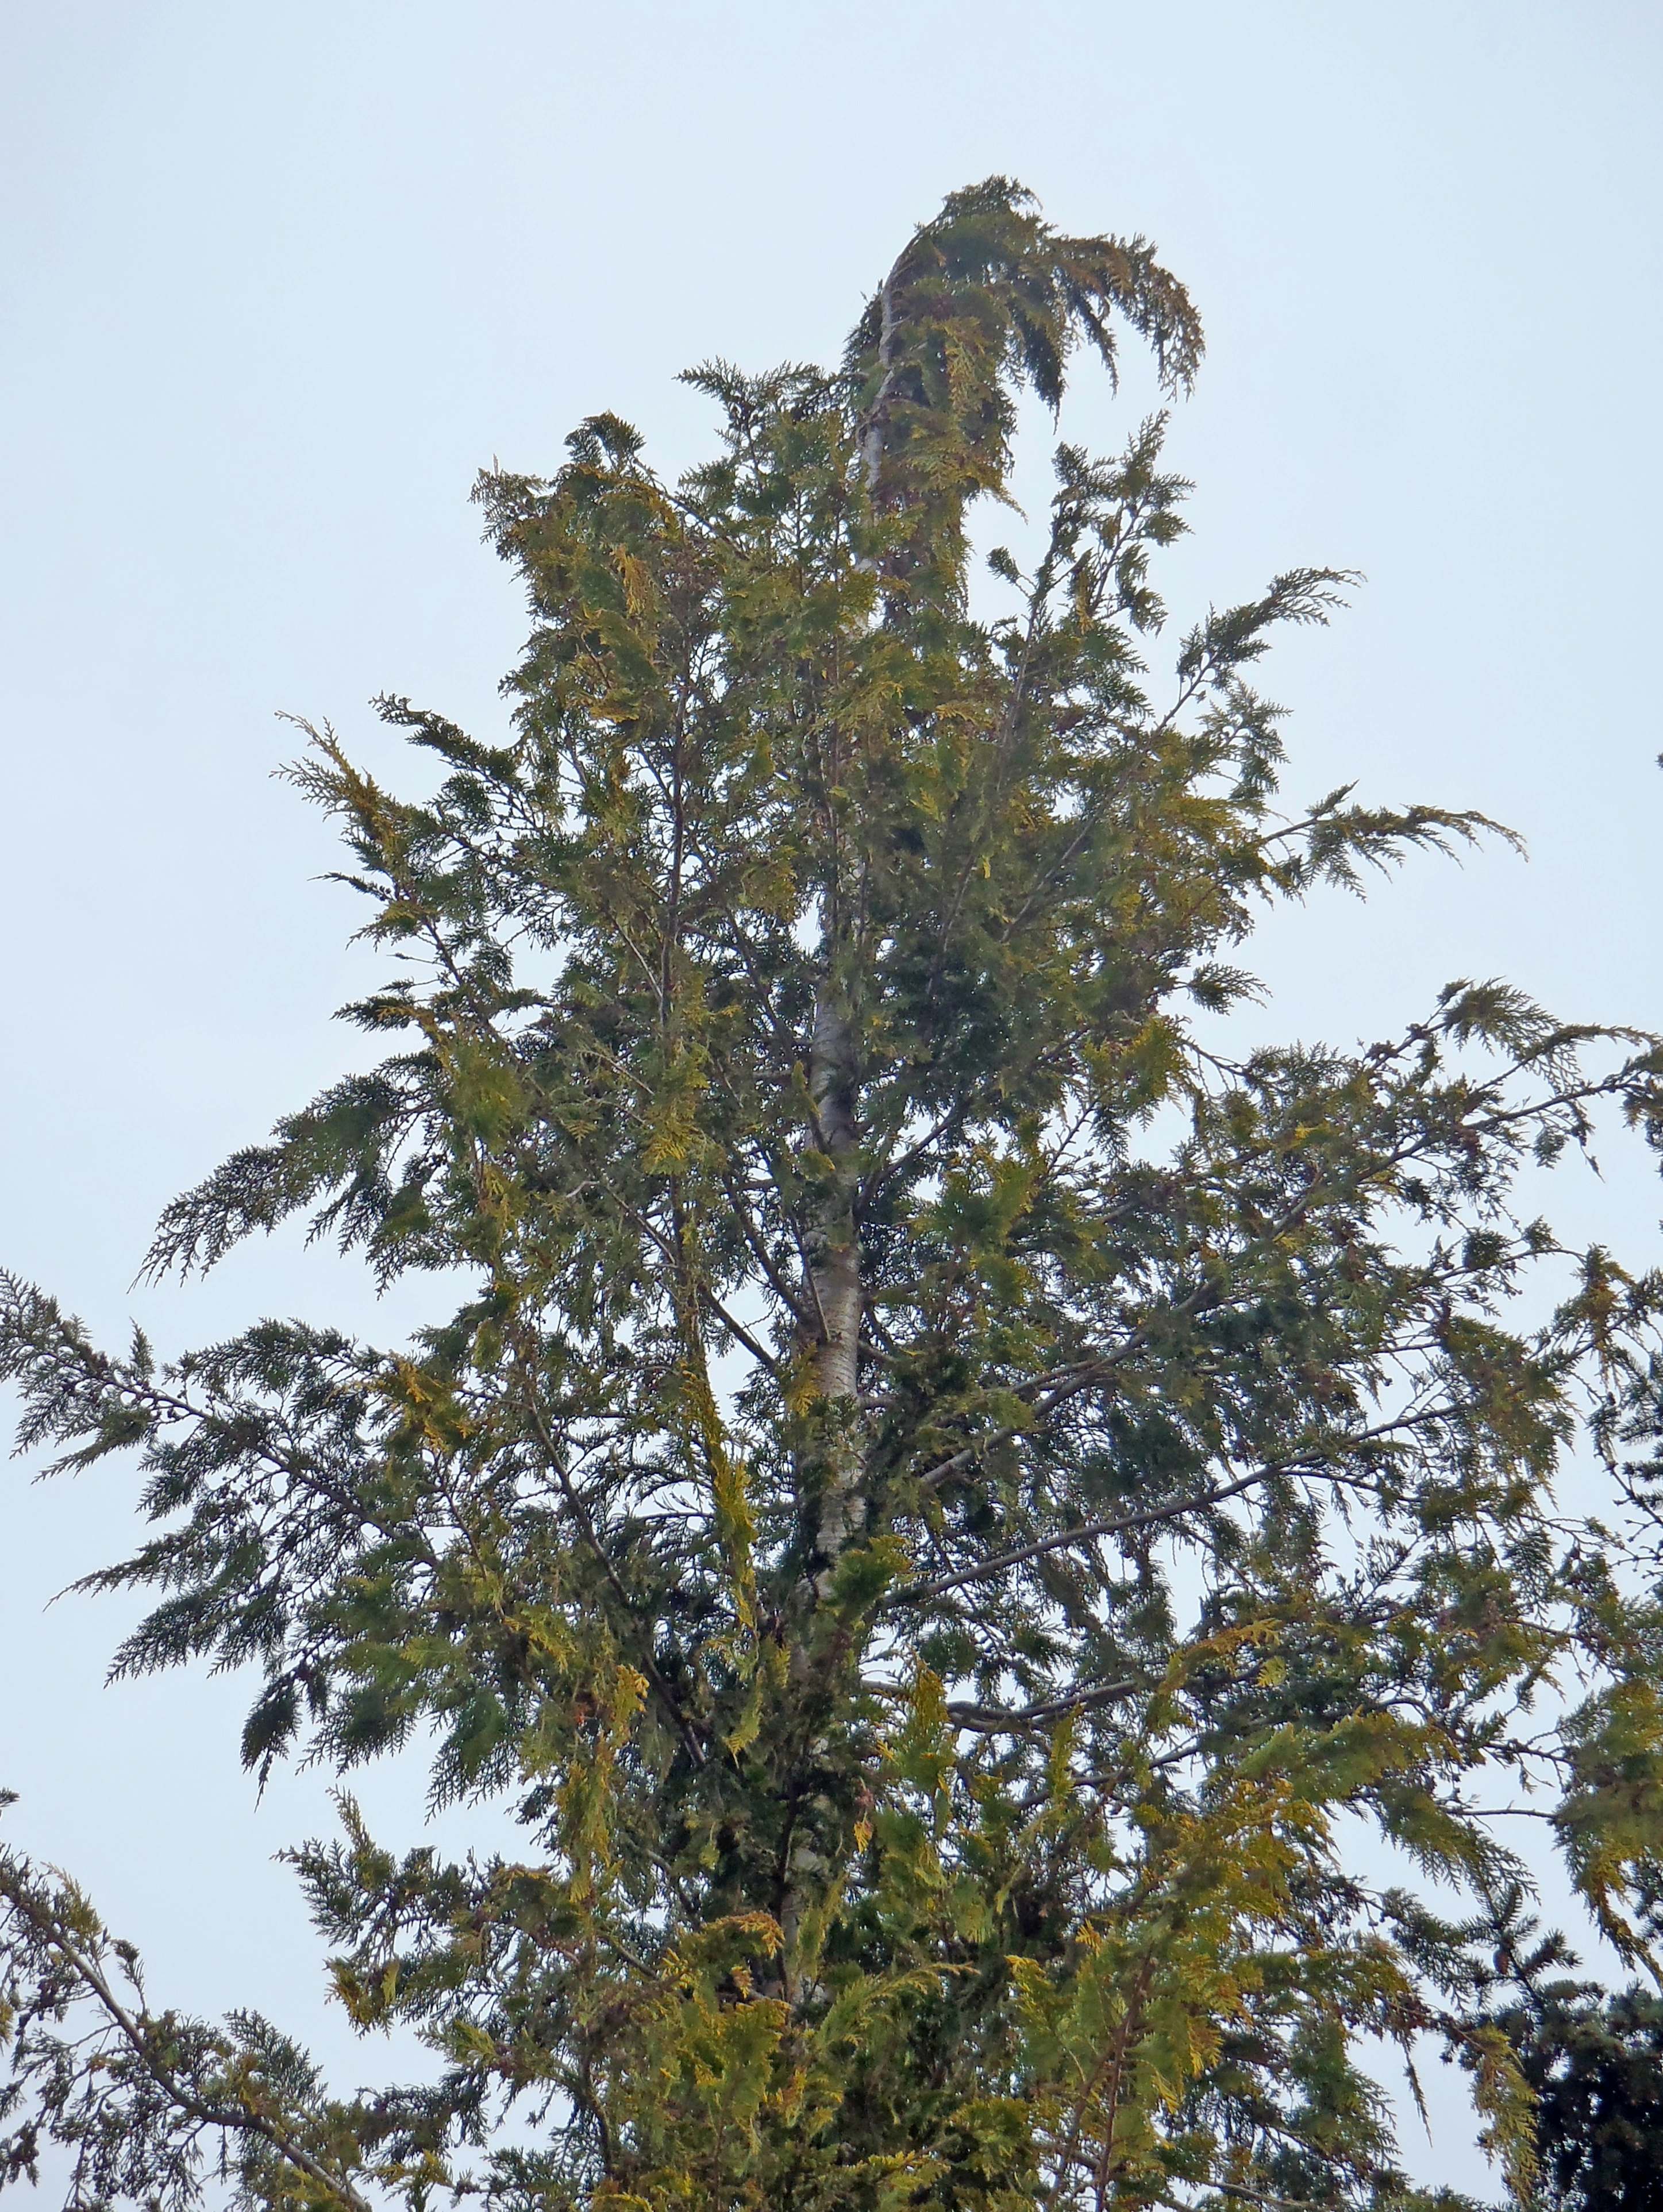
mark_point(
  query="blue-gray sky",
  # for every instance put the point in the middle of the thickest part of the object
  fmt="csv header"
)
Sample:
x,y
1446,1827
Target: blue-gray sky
x,y
275,281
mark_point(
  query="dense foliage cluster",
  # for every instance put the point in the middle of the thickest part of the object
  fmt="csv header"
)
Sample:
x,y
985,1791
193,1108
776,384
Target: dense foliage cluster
x,y
948,1493
1592,2060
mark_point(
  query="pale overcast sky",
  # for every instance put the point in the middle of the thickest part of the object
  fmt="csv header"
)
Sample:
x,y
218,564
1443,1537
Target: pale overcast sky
x,y
275,281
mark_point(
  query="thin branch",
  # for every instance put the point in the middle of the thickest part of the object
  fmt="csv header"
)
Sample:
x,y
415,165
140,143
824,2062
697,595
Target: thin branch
x,y
759,1253
650,1230
238,2118
996,1720
1090,1531
586,1529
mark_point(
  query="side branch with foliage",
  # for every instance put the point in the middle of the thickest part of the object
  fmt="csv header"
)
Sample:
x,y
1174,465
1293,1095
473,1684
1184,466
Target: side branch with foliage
x,y
949,1493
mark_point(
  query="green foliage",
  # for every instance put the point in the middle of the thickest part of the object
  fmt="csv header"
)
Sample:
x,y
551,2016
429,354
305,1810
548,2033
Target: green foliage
x,y
1596,2064
948,1494
1591,2062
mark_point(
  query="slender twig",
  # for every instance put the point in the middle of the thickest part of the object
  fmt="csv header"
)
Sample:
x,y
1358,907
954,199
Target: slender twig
x,y
1090,1531
759,1252
650,1230
586,1529
996,1720
238,2117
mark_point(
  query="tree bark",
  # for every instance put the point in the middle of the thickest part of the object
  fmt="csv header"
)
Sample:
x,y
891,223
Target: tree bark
x,y
834,1271
834,1255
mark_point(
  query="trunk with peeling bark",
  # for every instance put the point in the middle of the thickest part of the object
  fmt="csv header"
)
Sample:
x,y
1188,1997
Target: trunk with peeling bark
x,y
834,1271
834,1268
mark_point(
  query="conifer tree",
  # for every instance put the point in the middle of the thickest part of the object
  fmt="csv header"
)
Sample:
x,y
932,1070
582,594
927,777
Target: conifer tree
x,y
950,1496
1593,2061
